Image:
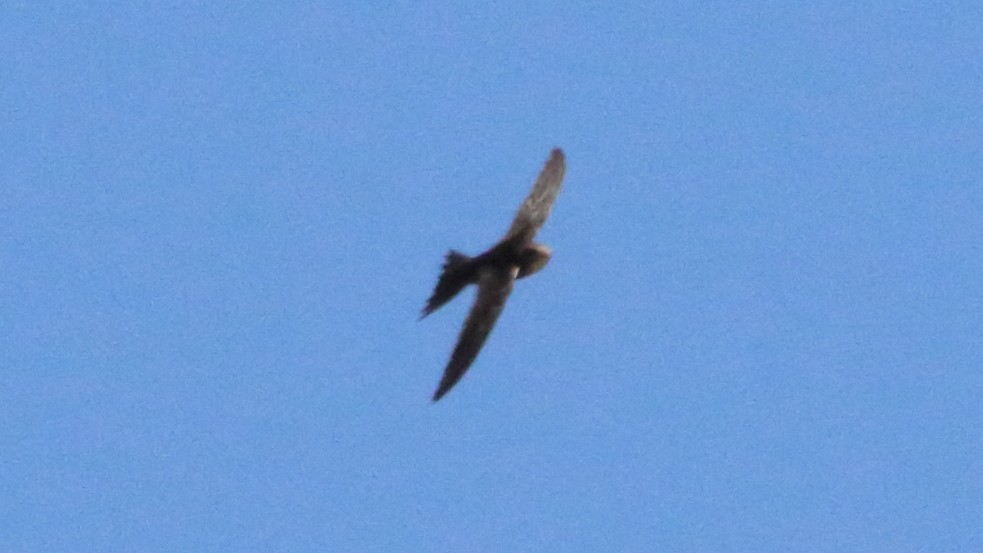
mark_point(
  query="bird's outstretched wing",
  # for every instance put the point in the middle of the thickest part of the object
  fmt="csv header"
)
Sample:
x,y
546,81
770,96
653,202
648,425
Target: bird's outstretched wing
x,y
494,287
537,205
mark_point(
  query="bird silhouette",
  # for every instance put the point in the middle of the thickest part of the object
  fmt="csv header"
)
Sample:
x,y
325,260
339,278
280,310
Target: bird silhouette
x,y
495,271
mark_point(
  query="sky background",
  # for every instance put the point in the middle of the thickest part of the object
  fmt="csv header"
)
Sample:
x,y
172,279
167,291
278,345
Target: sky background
x,y
761,329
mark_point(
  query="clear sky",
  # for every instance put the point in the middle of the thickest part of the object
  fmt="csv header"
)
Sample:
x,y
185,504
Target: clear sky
x,y
760,330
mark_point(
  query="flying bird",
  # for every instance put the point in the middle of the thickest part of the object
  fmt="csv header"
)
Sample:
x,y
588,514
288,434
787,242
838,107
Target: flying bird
x,y
495,271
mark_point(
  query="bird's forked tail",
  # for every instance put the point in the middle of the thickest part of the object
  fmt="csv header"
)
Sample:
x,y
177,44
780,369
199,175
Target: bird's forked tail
x,y
454,276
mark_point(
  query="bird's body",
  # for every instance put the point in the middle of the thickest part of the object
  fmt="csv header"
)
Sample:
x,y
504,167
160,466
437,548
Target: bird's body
x,y
494,272
461,270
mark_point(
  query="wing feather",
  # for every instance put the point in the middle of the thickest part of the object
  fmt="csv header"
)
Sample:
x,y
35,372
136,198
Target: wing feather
x,y
494,287
538,204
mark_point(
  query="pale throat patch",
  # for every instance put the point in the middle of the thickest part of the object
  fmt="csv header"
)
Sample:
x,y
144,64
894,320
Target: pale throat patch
x,y
536,257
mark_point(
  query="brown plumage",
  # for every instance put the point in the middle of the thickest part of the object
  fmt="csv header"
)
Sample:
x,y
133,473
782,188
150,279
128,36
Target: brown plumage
x,y
495,271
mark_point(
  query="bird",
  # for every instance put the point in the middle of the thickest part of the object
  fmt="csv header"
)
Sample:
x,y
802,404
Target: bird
x,y
495,271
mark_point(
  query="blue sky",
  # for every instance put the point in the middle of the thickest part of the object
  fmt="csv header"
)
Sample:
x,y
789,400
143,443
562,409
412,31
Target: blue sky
x,y
760,330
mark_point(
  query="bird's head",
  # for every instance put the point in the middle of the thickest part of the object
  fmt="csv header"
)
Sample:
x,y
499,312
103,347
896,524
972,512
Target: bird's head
x,y
533,258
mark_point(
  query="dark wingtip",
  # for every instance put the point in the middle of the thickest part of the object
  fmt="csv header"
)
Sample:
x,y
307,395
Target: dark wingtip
x,y
556,153
444,387
438,394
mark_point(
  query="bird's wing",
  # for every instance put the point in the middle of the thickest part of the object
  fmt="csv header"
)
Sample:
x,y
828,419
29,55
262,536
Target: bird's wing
x,y
537,205
494,287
